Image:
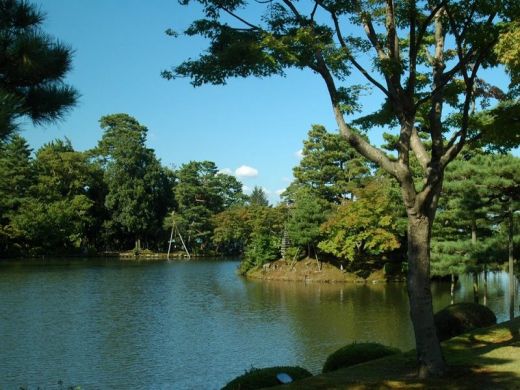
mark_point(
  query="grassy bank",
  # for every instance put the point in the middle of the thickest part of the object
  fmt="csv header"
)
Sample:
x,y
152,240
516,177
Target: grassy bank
x,y
483,359
309,270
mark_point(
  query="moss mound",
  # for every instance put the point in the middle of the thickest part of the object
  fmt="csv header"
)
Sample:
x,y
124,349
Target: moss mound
x,y
461,318
258,378
357,353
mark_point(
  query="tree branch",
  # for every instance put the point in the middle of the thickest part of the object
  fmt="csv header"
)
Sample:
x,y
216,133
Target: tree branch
x,y
252,26
358,143
419,150
343,44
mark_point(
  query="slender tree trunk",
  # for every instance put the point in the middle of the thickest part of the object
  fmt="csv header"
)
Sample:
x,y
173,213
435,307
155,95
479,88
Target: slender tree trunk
x,y
475,274
484,298
429,353
452,288
475,287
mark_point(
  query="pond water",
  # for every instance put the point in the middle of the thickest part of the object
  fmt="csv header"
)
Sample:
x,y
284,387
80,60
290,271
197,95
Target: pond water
x,y
187,325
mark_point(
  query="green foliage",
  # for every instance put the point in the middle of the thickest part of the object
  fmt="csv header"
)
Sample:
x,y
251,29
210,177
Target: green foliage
x,y
263,245
478,193
508,52
139,188
32,68
232,230
461,318
329,166
357,353
306,214
258,197
369,225
259,378
201,193
57,213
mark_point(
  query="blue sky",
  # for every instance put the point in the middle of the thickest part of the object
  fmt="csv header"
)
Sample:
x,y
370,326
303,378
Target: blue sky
x,y
120,49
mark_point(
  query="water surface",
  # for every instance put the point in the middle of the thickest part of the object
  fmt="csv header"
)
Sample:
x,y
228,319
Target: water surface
x,y
186,325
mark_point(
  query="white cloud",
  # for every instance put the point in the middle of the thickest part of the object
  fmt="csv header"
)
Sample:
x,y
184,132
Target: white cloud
x,y
226,171
246,189
280,191
245,171
266,191
299,153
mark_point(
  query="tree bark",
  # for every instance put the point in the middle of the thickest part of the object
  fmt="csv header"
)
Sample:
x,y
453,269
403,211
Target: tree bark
x,y
475,287
452,288
429,353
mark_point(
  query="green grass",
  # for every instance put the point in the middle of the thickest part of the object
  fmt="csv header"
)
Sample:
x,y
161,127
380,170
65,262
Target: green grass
x,y
486,358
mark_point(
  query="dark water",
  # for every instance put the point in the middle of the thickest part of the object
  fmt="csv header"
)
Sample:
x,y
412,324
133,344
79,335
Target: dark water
x,y
186,325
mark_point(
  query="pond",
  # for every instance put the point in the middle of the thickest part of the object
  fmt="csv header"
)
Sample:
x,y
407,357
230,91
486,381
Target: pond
x,y
107,323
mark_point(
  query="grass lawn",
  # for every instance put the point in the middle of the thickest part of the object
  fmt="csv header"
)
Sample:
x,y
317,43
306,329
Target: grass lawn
x,y
487,358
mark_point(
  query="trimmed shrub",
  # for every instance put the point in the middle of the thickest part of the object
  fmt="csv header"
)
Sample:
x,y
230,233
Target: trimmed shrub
x,y
258,378
357,353
461,318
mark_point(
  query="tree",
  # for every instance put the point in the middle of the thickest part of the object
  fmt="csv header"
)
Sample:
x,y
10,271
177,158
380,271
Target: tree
x,y
201,193
367,226
306,214
330,167
58,212
232,230
258,197
32,68
266,225
139,189
16,177
427,57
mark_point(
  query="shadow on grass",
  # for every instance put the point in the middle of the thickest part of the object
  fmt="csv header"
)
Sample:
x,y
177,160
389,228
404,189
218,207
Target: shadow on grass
x,y
483,359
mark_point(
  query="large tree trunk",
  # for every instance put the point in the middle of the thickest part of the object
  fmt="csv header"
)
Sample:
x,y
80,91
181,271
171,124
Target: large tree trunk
x,y
429,353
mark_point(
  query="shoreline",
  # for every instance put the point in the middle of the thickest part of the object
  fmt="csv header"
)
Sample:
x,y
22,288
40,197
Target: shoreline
x,y
308,271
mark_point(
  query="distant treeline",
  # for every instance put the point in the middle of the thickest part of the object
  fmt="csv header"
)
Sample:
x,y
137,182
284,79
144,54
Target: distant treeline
x,y
118,197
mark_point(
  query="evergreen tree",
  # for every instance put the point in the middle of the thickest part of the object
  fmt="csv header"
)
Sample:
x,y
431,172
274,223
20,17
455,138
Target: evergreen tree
x,y
201,193
306,214
258,197
16,177
32,68
139,189
58,214
330,167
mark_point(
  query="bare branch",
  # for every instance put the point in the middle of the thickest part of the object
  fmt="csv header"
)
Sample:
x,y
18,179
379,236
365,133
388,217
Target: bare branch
x,y
358,143
419,149
424,26
343,44
252,26
393,40
294,10
371,32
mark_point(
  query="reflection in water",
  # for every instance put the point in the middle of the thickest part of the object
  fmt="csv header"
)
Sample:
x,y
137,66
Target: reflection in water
x,y
187,325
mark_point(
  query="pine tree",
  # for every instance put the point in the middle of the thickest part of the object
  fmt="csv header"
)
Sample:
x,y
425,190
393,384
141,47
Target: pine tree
x,y
32,68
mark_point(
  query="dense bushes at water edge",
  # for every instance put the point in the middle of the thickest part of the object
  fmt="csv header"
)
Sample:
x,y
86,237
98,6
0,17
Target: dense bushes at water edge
x,y
258,378
462,317
357,353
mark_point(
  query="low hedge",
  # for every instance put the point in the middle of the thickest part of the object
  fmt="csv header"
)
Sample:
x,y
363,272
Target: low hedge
x,y
258,378
357,353
461,318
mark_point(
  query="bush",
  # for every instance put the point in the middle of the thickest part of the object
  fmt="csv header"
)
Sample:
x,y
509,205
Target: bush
x,y
461,318
353,354
258,378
